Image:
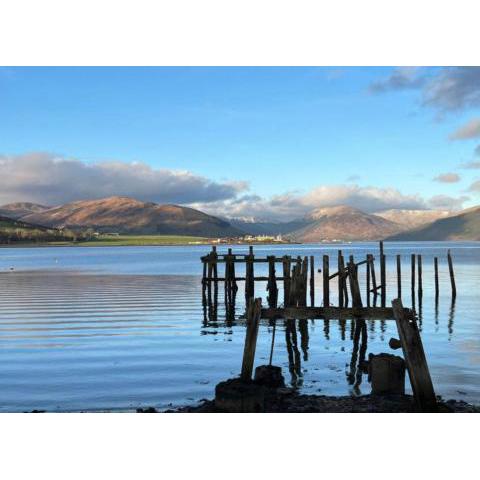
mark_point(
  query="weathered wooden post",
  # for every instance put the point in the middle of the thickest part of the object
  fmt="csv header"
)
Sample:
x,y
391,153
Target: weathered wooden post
x,y
383,280
420,282
452,275
326,281
344,281
204,280
302,300
373,276
215,271
286,280
415,359
312,281
413,278
399,277
254,312
249,276
227,284
272,283
340,279
435,267
209,278
368,282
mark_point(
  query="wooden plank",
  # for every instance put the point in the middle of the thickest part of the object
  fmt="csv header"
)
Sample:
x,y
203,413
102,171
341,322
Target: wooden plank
x,y
303,313
452,275
253,320
415,359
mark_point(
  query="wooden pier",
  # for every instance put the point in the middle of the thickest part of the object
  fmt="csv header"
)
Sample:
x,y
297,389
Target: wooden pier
x,y
297,277
409,337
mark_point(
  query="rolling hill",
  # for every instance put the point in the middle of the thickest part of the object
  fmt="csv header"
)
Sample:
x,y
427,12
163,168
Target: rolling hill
x,y
130,216
344,223
20,209
463,226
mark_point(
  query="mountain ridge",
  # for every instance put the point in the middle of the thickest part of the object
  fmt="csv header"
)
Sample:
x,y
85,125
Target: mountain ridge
x,y
128,215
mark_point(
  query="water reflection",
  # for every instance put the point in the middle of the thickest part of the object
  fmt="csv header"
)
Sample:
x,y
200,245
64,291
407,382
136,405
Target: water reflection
x,y
294,361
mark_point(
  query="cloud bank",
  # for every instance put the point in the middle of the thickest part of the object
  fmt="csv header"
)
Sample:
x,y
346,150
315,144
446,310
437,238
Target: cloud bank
x,y
53,180
293,205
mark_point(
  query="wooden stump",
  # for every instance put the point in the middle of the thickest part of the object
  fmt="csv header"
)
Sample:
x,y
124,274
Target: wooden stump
x,y
386,373
269,376
238,396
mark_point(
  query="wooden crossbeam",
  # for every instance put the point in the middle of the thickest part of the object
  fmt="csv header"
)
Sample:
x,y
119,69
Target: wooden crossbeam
x,y
303,313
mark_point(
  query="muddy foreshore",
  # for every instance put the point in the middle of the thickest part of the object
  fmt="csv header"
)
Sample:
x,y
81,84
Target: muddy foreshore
x,y
287,400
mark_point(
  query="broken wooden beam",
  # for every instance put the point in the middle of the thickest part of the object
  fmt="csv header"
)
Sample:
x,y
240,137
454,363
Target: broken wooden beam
x,y
415,359
253,320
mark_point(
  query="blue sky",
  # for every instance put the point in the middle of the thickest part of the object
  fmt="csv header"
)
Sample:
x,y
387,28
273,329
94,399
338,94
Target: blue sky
x,y
268,133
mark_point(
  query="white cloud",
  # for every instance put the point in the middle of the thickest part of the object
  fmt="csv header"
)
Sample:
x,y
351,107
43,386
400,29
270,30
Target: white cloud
x,y
52,180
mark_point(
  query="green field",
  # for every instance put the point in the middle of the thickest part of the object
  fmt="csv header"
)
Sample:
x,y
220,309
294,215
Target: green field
x,y
138,240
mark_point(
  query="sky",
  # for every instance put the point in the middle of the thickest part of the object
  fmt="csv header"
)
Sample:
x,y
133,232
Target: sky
x,y
269,143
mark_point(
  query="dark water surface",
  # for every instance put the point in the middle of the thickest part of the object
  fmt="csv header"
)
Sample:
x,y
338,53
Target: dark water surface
x,y
114,328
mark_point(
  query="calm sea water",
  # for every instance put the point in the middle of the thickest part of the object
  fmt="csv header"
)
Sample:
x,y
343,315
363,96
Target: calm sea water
x,y
116,328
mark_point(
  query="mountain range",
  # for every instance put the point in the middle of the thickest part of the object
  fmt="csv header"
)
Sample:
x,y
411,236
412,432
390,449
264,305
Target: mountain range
x,y
342,223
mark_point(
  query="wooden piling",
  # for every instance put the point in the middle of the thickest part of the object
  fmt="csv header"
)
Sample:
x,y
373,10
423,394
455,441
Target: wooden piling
x,y
249,276
254,311
383,280
435,267
344,281
286,280
272,283
312,281
415,359
326,281
452,275
340,278
368,283
373,276
412,262
215,271
399,277
209,278
420,282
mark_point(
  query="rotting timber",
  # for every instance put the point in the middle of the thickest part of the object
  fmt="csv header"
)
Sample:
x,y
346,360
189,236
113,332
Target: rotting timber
x,y
295,274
